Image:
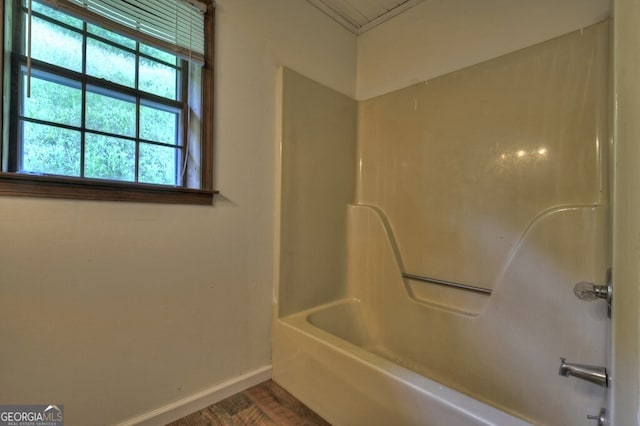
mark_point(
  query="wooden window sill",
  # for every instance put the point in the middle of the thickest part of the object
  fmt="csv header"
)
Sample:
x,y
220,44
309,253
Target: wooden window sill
x,y
24,185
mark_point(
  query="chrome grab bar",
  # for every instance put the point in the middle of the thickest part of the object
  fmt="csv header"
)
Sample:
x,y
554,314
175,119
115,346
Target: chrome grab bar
x,y
466,287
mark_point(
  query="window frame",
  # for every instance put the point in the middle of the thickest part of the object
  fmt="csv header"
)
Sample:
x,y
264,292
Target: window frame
x,y
81,188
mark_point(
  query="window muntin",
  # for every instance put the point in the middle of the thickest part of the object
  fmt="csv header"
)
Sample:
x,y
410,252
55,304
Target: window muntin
x,y
128,123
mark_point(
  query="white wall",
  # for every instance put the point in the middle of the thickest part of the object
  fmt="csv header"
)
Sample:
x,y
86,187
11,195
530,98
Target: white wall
x,y
439,36
114,309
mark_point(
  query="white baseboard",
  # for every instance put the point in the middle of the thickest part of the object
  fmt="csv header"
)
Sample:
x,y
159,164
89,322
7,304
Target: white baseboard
x,y
197,401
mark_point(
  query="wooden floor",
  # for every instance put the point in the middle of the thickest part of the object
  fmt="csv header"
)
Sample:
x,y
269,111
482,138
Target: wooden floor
x,y
264,404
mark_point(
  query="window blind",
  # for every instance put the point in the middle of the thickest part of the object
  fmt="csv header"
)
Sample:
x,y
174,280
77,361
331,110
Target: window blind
x,y
176,26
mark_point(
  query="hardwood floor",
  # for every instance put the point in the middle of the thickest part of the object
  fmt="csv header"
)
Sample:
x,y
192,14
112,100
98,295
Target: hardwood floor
x,y
262,405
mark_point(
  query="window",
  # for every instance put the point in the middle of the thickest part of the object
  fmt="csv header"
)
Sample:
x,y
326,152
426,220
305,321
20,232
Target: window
x,y
104,104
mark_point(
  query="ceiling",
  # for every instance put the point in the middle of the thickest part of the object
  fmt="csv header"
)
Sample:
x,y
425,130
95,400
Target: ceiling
x,y
359,16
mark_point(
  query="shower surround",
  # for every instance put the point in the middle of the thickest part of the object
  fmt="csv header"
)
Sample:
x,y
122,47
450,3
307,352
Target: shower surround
x,y
493,176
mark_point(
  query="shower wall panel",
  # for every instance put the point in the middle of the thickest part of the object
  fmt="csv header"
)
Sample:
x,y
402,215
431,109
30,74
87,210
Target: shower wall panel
x,y
463,164
318,181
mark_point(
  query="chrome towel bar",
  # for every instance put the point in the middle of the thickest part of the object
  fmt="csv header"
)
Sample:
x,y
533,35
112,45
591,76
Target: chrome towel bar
x,y
466,287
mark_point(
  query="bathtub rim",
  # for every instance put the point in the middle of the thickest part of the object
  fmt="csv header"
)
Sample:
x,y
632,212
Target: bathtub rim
x,y
441,394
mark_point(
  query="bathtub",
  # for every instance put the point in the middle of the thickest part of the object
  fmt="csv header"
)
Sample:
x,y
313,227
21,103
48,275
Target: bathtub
x,y
327,358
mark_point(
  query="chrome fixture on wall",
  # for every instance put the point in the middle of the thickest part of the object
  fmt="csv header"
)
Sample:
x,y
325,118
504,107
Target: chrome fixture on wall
x,y
601,418
590,373
589,291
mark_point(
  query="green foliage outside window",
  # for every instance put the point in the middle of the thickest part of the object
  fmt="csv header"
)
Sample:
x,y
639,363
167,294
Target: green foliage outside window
x,y
59,100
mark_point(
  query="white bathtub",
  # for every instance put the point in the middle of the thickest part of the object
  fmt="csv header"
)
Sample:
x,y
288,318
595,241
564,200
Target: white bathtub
x,y
325,356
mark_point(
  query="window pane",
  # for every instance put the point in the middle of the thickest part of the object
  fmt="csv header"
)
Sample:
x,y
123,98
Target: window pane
x,y
110,35
58,16
158,54
111,63
109,158
158,79
94,108
158,125
110,115
48,149
56,45
158,164
52,102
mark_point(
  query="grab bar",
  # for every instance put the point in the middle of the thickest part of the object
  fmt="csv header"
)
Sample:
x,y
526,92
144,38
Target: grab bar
x,y
466,287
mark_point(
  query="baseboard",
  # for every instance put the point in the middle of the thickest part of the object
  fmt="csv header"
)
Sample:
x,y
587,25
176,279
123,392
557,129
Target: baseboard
x,y
199,400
